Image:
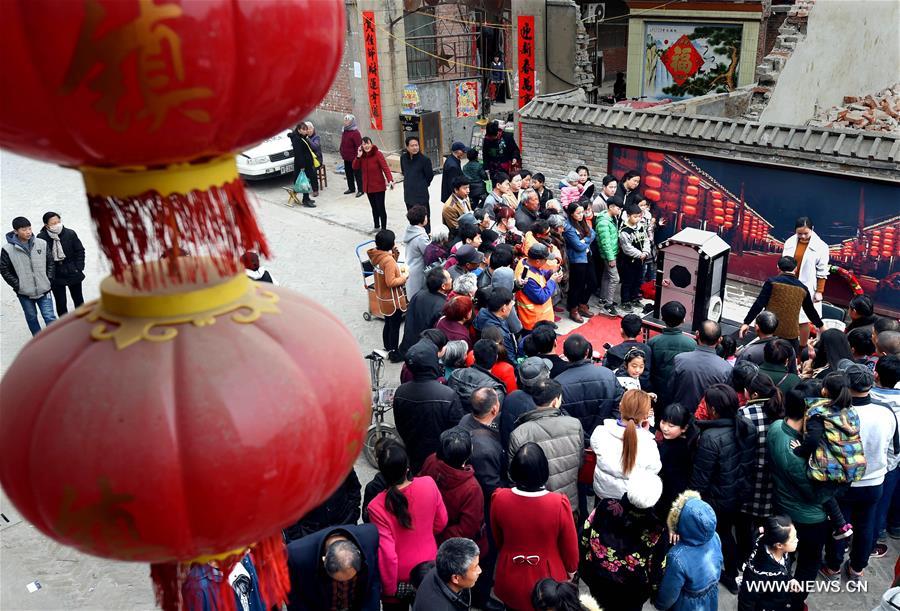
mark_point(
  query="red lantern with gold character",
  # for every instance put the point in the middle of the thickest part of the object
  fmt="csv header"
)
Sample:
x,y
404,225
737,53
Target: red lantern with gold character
x,y
188,414
151,99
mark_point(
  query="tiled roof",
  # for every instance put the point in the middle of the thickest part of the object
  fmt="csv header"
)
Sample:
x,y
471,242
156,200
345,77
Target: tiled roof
x,y
834,142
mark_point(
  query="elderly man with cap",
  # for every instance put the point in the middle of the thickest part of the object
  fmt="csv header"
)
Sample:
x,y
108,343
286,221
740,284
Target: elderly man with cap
x,y
456,204
534,302
335,568
531,372
468,258
453,169
878,432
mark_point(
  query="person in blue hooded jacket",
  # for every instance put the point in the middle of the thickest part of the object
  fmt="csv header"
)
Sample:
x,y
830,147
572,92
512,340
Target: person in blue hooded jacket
x,y
694,564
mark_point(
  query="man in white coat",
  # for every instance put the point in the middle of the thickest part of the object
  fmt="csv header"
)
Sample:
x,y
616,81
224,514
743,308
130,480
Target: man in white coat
x,y
811,253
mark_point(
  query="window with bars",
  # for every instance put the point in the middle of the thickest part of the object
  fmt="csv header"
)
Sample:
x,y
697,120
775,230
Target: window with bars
x,y
421,39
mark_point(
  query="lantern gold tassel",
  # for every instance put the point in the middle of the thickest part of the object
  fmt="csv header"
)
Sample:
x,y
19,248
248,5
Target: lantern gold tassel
x,y
186,209
269,559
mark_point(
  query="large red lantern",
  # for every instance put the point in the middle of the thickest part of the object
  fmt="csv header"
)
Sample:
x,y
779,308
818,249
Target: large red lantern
x,y
117,88
186,421
656,156
208,419
693,180
652,194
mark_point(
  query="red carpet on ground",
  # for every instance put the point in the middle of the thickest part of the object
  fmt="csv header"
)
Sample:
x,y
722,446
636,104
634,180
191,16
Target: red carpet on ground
x,y
598,330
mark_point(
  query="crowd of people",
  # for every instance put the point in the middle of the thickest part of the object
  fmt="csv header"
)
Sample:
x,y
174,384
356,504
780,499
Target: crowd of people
x,y
656,471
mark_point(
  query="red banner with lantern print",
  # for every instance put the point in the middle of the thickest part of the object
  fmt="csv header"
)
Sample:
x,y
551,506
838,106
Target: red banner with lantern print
x,y
858,218
372,77
525,29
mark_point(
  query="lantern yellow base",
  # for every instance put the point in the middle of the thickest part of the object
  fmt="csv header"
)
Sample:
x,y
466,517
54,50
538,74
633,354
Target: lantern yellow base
x,y
127,315
124,182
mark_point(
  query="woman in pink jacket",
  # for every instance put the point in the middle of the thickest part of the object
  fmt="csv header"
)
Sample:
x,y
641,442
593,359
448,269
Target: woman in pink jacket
x,y
407,515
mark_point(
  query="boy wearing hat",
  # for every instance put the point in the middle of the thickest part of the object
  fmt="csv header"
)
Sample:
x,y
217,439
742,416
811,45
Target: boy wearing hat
x,y
634,249
453,169
26,264
879,435
534,302
468,258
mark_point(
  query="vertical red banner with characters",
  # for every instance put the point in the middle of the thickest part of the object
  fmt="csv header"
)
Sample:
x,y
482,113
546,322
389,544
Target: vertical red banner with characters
x,y
525,30
372,78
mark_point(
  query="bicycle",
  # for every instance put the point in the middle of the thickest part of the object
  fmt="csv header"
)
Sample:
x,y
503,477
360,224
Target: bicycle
x,y
382,403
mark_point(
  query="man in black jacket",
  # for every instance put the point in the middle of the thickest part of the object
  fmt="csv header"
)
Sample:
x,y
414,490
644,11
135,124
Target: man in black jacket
x,y
447,586
425,307
424,408
591,393
342,507
417,176
452,169
335,565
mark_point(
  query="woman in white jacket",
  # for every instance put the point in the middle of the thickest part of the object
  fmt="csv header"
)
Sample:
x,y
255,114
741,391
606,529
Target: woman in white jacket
x,y
624,446
811,253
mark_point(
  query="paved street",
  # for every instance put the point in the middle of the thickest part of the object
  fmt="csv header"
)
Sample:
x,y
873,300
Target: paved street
x,y
314,255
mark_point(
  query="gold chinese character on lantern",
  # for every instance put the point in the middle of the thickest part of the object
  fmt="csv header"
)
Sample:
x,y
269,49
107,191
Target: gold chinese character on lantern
x,y
159,72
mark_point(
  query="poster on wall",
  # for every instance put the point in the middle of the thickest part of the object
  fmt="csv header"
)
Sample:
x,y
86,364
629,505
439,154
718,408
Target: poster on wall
x,y
754,208
467,99
373,79
684,60
526,58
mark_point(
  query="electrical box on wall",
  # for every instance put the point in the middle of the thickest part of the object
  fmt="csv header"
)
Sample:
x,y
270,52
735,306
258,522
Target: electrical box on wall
x,y
426,124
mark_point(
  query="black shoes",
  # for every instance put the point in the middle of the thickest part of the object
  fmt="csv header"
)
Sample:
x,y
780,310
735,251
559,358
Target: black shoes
x,y
395,357
359,194
348,191
309,203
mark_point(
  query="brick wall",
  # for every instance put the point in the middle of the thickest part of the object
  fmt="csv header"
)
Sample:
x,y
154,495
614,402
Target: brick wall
x,y
339,98
615,60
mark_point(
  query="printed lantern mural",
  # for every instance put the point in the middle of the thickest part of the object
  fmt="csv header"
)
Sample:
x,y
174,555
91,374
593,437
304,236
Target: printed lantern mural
x,y
189,414
745,205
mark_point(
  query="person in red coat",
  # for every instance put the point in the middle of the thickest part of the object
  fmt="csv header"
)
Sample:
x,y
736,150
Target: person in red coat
x,y
533,530
351,140
460,490
376,177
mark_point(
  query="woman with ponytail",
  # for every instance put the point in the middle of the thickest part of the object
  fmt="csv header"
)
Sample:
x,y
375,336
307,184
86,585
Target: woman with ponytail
x,y
407,515
767,583
624,445
765,405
